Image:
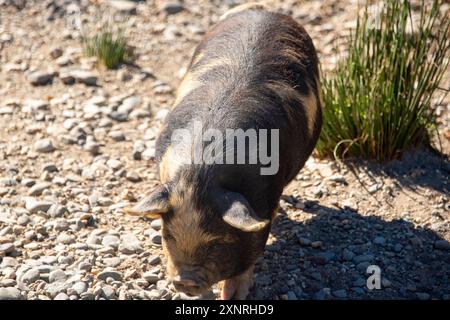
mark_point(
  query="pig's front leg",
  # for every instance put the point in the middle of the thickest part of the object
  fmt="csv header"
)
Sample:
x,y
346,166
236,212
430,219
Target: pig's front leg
x,y
237,288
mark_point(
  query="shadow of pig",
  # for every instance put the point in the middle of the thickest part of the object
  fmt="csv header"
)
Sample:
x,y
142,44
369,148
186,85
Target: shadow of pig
x,y
413,263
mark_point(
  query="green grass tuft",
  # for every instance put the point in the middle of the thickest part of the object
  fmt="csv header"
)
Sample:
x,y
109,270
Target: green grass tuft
x,y
377,103
109,46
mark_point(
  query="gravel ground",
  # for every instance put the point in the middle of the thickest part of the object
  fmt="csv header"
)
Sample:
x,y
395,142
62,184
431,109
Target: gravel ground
x,y
77,144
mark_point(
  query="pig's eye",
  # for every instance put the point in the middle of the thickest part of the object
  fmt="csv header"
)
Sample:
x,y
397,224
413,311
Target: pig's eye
x,y
217,246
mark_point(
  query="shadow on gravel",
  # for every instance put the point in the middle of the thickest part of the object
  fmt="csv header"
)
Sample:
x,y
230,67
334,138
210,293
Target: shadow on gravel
x,y
414,262
422,168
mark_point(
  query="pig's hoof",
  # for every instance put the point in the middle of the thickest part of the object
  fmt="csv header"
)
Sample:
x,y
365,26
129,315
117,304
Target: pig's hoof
x,y
237,288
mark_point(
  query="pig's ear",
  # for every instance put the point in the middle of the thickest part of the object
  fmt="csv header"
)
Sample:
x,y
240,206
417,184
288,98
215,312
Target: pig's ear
x,y
239,214
153,204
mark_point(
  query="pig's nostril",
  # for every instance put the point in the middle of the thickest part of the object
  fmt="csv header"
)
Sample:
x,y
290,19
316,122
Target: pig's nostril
x,y
183,282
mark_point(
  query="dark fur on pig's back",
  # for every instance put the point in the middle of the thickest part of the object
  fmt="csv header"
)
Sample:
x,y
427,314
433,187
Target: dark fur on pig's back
x,y
273,64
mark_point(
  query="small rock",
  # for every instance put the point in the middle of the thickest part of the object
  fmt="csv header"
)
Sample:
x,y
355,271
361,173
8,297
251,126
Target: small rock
x,y
124,75
133,176
299,205
84,76
65,238
156,224
385,283
56,53
66,77
23,220
373,188
112,262
140,113
341,294
69,259
360,282
379,240
36,104
155,238
114,164
173,7
93,199
28,182
148,154
129,104
358,290
49,259
291,295
423,295
91,109
347,255
324,169
80,287
118,116
154,260
138,149
316,244
69,124
55,288
117,276
9,262
57,276
362,266
304,242
323,257
397,247
337,178
85,265
61,296
44,146
130,244
61,225
150,277
92,147
105,202
6,248
117,136
30,276
33,205
62,62
99,100
3,191
93,239
323,294
123,6
110,240
6,110
87,296
10,294
37,189
363,258
108,292
130,273
57,210
50,167
40,78
350,204
162,285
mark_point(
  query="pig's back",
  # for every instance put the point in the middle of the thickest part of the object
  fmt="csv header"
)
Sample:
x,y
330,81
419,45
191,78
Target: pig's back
x,y
253,70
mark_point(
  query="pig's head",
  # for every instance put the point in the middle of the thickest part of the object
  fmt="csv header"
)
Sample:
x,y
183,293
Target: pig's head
x,y
208,236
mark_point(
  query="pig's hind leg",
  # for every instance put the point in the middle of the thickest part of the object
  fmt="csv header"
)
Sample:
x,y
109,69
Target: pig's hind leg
x,y
237,288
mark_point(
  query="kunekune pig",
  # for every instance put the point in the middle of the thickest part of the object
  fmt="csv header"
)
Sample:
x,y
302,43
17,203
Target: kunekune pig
x,y
255,69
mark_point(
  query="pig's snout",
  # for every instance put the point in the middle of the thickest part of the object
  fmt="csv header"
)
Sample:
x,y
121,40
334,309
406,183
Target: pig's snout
x,y
189,283
181,282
